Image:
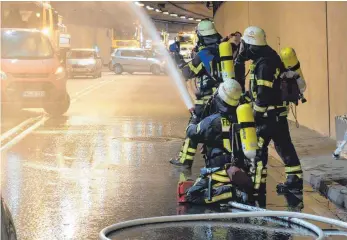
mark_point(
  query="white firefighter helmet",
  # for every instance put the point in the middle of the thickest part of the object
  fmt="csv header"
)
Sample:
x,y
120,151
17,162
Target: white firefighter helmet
x,y
254,36
206,28
230,92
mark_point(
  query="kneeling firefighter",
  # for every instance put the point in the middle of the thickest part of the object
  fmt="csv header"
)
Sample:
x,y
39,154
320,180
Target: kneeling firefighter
x,y
215,183
206,67
270,106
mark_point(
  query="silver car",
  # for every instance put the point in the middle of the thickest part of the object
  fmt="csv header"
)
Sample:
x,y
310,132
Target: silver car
x,y
83,62
132,60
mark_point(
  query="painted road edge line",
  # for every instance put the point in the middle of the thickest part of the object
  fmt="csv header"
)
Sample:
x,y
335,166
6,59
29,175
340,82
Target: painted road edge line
x,y
41,119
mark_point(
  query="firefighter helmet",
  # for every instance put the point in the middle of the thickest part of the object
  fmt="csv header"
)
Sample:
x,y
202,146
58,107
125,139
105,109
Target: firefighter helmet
x,y
205,28
230,92
254,36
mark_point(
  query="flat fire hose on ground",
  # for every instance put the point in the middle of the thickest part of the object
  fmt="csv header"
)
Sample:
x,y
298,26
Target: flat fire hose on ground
x,y
218,216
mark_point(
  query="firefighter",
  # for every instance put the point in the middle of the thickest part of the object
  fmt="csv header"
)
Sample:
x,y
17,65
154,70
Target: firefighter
x,y
214,132
270,111
206,68
174,49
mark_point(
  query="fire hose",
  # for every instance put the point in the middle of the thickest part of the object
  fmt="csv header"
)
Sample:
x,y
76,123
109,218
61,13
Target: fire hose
x,y
216,216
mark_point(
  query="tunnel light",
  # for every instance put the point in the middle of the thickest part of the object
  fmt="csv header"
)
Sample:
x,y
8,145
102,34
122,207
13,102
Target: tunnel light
x,y
166,13
45,31
157,10
183,17
139,4
191,18
173,15
149,8
38,14
198,20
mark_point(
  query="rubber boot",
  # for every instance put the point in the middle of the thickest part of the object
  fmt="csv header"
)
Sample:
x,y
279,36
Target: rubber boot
x,y
293,184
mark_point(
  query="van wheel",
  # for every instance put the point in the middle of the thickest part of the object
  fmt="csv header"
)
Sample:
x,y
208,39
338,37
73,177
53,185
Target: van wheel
x,y
155,69
118,69
59,107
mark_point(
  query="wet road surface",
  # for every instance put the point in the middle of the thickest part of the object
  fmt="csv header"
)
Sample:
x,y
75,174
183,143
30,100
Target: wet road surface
x,y
106,161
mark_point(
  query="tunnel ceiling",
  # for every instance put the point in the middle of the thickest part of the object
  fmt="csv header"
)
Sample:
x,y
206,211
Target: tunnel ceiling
x,y
113,14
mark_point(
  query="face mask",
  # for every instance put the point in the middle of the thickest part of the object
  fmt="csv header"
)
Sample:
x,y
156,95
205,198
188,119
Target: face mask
x,y
244,53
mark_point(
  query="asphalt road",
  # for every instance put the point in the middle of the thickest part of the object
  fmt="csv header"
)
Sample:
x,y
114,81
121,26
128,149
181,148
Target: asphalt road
x,y
106,161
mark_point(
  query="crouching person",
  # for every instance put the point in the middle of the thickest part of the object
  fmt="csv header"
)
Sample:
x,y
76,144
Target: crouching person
x,y
217,180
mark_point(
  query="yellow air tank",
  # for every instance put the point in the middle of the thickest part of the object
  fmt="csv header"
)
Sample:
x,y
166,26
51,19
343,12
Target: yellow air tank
x,y
226,59
291,62
248,133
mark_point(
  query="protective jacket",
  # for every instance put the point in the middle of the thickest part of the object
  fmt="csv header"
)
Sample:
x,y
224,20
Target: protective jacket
x,y
264,83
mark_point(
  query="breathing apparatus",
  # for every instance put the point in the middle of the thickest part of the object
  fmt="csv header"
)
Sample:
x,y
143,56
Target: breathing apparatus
x,y
291,62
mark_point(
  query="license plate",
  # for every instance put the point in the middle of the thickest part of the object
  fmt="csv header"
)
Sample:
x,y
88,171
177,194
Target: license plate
x,y
34,94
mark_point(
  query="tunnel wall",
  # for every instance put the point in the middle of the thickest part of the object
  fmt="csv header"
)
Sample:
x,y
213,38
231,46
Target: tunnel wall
x,y
316,30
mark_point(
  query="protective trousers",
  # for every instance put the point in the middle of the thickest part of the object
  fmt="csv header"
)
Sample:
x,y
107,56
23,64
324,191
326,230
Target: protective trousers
x,y
189,147
222,189
276,129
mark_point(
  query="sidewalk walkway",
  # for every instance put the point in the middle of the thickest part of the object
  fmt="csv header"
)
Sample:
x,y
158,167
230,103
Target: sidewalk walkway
x,y
325,174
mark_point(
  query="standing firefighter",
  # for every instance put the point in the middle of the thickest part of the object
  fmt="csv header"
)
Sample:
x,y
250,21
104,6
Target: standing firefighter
x,y
214,183
270,110
206,67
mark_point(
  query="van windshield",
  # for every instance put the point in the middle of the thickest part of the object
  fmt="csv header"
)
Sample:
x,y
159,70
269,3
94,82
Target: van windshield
x,y
80,54
25,45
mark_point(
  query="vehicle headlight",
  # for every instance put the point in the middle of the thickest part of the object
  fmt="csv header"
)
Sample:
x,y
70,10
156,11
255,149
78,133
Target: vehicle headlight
x,y
3,75
60,73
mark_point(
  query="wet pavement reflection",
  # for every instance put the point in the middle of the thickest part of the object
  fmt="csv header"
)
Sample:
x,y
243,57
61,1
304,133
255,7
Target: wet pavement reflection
x,y
77,174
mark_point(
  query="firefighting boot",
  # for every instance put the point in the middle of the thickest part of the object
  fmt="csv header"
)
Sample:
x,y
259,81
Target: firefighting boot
x,y
178,163
293,184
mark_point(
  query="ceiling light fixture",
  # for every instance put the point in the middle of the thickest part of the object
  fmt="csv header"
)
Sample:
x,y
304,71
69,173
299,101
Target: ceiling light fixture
x,y
149,8
191,18
157,10
139,4
183,17
173,15
198,20
166,13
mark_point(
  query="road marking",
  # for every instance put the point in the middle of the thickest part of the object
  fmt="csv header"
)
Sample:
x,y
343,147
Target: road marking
x,y
24,134
90,90
41,119
18,127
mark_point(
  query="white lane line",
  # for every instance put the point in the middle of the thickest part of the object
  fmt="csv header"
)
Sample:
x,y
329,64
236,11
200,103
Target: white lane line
x,y
24,133
90,90
18,127
87,88
42,119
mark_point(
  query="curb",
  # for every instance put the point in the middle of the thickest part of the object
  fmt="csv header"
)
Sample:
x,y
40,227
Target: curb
x,y
333,191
